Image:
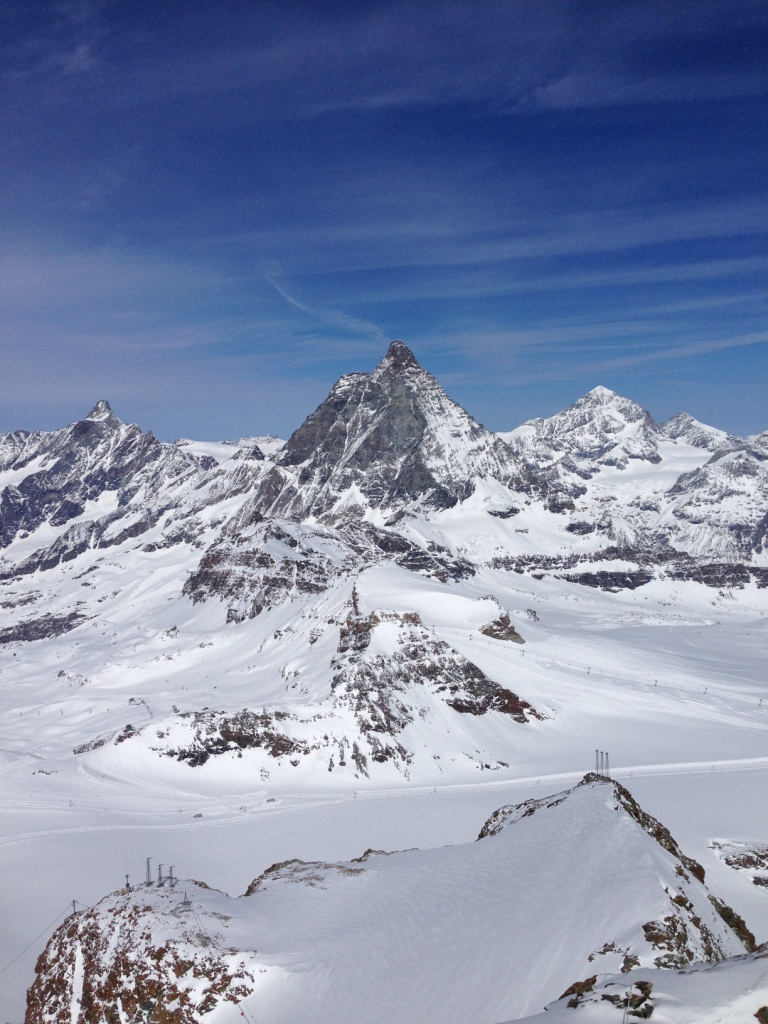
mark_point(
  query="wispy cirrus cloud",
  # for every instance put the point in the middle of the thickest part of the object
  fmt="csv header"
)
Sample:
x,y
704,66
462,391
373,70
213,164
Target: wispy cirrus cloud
x,y
329,317
512,54
532,188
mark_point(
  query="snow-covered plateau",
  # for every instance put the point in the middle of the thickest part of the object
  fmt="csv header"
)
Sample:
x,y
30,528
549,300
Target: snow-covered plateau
x,y
253,661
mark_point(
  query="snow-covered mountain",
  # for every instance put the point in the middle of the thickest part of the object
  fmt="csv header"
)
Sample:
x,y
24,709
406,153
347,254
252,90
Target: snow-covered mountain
x,y
387,472
393,599
601,428
684,427
388,475
553,891
385,441
659,493
100,483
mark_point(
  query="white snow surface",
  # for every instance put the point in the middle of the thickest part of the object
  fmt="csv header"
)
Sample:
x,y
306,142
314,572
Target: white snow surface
x,y
730,992
669,677
567,882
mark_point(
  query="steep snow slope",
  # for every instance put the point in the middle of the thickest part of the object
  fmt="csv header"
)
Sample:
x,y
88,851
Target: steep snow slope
x,y
473,932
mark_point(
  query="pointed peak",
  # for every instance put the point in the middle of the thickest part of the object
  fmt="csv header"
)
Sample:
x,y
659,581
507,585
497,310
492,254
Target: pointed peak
x,y
101,411
678,424
399,357
601,393
601,401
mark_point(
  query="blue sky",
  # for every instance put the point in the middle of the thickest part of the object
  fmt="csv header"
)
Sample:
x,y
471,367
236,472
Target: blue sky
x,y
209,212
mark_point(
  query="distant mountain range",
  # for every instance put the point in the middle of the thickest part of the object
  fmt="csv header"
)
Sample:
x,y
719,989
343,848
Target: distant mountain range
x,y
388,475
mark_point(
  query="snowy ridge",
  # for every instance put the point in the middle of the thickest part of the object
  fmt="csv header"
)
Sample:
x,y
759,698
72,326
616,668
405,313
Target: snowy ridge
x,y
577,884
684,427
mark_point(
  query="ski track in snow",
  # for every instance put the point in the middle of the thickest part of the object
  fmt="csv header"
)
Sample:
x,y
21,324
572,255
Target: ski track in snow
x,y
216,814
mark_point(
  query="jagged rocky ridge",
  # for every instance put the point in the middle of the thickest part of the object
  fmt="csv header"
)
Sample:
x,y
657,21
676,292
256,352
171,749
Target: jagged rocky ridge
x,y
709,508
585,872
383,450
100,483
391,679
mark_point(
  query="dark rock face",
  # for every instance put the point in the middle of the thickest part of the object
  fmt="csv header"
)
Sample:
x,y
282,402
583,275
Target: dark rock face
x,y
217,733
42,628
275,560
611,581
502,629
385,440
505,513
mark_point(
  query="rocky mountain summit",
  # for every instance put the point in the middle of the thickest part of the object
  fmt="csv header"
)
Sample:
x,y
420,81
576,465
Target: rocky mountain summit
x,y
388,440
684,427
601,428
655,494
318,941
386,452
98,462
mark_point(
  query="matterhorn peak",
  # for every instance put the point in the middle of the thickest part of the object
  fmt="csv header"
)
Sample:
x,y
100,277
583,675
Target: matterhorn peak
x,y
396,436
398,357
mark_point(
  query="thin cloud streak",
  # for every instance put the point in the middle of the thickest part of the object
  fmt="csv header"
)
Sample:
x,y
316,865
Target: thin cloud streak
x,y
398,56
330,317
508,349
